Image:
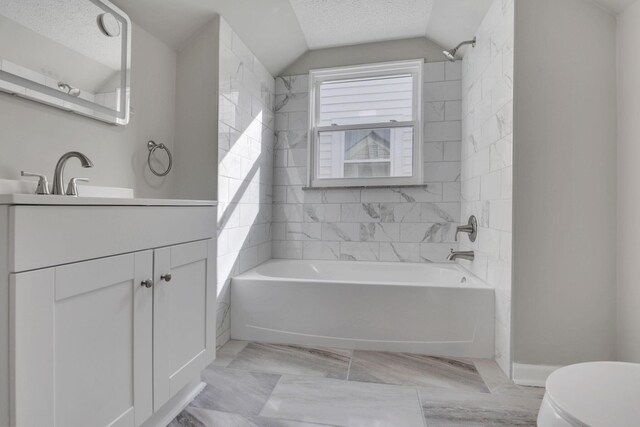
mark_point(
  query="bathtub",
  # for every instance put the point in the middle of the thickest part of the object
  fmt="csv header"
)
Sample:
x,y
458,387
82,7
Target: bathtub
x,y
435,309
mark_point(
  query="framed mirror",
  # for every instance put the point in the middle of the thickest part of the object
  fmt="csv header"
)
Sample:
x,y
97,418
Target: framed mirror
x,y
70,54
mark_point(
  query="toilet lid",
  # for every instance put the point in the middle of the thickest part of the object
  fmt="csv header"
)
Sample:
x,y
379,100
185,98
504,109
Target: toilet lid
x,y
597,393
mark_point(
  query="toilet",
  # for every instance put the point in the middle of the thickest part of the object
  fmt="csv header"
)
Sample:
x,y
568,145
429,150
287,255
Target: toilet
x,y
596,394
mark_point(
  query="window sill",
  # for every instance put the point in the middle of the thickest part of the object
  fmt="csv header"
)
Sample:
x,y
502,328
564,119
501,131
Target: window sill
x,y
306,188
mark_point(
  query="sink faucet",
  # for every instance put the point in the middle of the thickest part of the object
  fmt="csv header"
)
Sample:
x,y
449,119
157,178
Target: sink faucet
x,y
454,255
58,185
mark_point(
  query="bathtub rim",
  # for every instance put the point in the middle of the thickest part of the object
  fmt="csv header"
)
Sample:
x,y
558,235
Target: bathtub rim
x,y
474,283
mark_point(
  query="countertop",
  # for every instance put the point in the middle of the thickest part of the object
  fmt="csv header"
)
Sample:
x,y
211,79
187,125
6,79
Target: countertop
x,y
50,200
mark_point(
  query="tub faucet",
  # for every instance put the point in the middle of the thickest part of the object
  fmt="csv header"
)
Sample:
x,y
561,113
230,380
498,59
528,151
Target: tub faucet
x,y
58,185
454,255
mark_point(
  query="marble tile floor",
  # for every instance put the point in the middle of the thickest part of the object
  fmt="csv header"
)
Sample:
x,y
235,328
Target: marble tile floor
x,y
270,385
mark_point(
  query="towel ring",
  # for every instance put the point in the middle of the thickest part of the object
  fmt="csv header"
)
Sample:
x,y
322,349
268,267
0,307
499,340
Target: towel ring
x,y
152,146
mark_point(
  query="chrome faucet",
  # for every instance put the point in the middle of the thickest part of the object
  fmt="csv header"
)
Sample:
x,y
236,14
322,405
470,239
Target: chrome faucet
x,y
454,255
58,184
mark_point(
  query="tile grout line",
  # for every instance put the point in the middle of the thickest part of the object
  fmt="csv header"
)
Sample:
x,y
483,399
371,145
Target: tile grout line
x,y
484,369
349,367
269,397
424,417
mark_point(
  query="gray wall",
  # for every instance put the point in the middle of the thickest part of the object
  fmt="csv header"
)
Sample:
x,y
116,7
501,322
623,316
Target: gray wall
x,y
564,225
196,115
33,136
628,188
367,53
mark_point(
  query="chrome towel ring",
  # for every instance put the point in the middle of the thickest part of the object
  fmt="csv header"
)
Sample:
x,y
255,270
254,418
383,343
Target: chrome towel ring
x,y
152,146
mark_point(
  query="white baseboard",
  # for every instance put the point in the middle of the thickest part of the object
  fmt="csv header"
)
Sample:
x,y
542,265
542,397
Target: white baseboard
x,y
532,375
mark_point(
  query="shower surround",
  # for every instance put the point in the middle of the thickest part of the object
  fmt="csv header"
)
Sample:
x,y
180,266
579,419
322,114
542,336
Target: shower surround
x,y
487,147
245,160
406,224
265,211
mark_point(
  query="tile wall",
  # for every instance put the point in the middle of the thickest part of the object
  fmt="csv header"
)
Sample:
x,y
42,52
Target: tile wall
x,y
245,158
266,213
408,224
487,146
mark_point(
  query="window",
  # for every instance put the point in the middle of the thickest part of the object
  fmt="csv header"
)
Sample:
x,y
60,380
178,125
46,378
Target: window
x,y
366,125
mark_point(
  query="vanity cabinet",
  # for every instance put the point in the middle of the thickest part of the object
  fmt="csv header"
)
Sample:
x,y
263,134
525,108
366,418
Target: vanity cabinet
x,y
116,340
181,340
83,343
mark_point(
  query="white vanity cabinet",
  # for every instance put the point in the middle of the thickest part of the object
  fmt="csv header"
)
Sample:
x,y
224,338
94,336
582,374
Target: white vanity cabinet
x,y
82,351
181,339
118,339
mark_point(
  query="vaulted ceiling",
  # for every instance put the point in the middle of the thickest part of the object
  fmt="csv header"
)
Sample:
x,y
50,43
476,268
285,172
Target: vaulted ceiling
x,y
280,31
269,27
331,23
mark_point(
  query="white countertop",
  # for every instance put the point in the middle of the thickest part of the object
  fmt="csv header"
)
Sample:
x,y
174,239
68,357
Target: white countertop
x,y
21,192
50,200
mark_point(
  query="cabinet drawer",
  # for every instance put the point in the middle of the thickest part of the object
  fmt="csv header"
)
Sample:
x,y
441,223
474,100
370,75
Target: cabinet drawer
x,y
45,236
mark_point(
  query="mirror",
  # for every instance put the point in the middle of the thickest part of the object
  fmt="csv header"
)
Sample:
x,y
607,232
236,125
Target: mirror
x,y
70,54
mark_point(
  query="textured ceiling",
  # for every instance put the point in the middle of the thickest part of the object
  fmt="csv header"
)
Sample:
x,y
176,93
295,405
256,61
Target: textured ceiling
x,y
268,27
52,20
330,23
274,31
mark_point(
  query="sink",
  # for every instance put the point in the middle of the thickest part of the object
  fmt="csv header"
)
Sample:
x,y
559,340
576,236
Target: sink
x,y
10,186
14,192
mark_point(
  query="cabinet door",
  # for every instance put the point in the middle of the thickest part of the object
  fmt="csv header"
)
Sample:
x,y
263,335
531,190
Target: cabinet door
x,y
82,344
183,316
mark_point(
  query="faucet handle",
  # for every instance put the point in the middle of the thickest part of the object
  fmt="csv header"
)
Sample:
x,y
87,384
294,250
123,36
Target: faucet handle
x,y
72,188
471,228
43,184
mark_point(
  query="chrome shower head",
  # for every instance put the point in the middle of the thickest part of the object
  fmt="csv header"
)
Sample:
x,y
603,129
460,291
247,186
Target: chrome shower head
x,y
451,54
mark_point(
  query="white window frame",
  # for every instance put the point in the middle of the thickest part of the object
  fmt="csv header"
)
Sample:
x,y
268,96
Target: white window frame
x,y
317,77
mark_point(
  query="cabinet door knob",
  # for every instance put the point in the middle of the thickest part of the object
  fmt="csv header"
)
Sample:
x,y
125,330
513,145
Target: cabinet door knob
x,y
147,283
166,277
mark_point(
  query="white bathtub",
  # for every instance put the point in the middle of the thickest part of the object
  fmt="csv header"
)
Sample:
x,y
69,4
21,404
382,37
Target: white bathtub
x,y
436,309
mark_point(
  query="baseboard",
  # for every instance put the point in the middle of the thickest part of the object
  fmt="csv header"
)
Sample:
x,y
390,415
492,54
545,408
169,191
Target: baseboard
x,y
532,375
175,405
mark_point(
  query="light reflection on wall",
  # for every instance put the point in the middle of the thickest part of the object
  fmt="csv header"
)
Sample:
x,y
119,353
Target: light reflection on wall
x,y
245,166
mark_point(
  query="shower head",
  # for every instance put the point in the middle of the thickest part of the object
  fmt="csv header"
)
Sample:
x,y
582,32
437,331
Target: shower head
x,y
451,54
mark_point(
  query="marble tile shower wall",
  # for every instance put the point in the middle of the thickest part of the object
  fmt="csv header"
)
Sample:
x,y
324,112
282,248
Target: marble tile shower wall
x,y
245,162
487,145
408,224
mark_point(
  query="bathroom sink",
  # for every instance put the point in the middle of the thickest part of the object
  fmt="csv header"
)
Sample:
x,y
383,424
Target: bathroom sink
x,y
14,192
